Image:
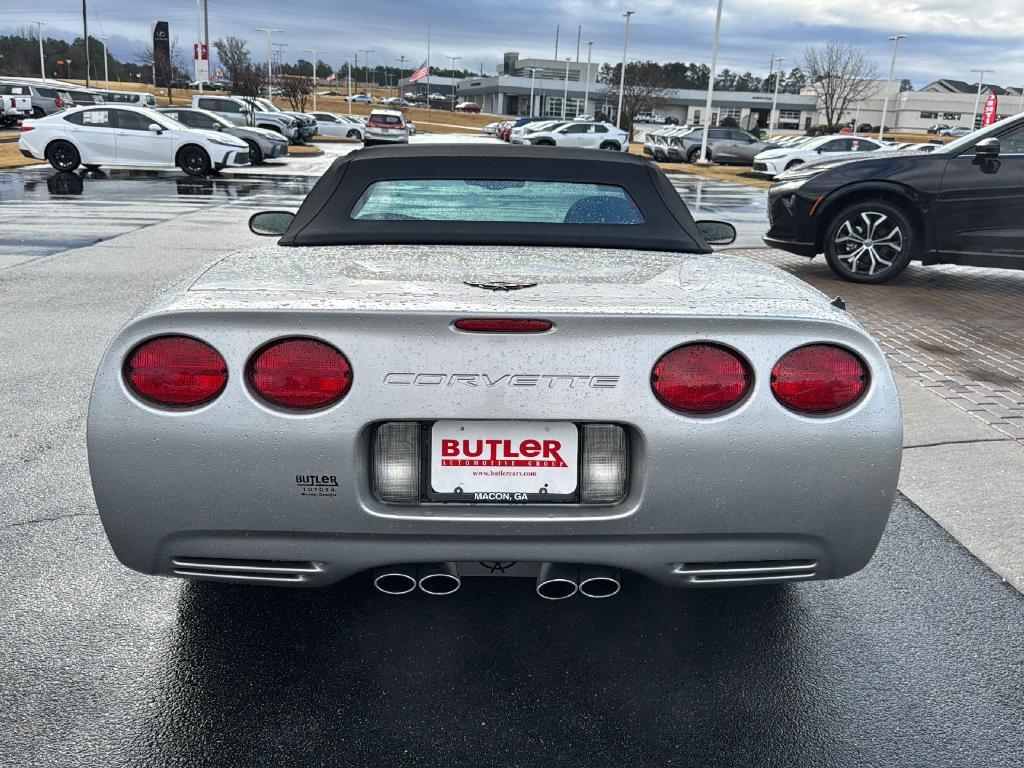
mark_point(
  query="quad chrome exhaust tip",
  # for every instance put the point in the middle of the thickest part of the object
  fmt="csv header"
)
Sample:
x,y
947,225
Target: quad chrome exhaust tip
x,y
439,578
395,580
598,582
557,581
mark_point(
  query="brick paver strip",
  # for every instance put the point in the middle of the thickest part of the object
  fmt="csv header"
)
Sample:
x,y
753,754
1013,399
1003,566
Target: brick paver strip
x,y
956,330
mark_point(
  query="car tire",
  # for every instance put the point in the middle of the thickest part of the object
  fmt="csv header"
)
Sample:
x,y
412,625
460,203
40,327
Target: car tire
x,y
353,134
693,154
37,113
194,161
255,153
612,145
544,143
870,242
63,156
794,164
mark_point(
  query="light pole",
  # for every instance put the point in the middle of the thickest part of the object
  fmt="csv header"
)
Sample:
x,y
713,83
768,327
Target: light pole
x,y
702,160
622,74
977,99
270,55
313,51
401,71
85,37
349,62
106,77
279,58
42,61
586,91
885,97
773,121
454,59
198,62
565,92
533,79
366,65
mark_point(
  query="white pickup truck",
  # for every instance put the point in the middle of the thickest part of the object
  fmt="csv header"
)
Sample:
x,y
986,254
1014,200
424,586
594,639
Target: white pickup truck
x,y
13,106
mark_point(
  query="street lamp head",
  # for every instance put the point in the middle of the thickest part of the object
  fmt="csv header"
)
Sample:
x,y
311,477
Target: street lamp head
x,y
896,37
627,14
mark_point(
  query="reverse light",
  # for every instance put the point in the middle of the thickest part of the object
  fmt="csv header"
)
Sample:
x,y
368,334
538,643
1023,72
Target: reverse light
x,y
396,462
176,371
604,464
502,325
819,378
701,378
300,373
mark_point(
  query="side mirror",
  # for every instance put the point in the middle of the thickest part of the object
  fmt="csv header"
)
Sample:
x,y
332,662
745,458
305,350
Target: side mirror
x,y
717,232
270,223
987,148
155,128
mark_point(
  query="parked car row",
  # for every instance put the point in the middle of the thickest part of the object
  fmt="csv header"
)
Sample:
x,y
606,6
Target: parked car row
x,y
124,135
681,144
579,132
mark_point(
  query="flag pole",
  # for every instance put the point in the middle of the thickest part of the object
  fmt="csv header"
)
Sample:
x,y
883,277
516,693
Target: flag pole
x,y
428,66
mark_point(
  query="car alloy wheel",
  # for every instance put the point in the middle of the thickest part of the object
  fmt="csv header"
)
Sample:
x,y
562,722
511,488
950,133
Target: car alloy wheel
x,y
194,161
255,153
869,242
63,156
353,134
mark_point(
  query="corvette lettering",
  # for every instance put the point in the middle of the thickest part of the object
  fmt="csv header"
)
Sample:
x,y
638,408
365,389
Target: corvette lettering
x,y
489,381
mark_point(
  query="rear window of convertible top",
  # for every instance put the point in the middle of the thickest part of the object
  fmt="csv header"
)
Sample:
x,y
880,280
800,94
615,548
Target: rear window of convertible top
x,y
542,202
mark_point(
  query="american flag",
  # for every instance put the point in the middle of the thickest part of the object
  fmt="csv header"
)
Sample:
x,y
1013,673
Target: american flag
x,y
331,78
419,74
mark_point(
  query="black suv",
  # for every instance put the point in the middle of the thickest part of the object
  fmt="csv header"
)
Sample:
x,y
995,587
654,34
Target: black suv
x,y
872,216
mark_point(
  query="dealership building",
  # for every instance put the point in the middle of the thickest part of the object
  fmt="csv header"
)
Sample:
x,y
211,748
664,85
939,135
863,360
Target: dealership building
x,y
550,82
950,102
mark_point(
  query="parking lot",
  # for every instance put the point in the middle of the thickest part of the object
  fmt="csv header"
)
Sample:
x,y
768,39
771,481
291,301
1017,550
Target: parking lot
x,y
915,661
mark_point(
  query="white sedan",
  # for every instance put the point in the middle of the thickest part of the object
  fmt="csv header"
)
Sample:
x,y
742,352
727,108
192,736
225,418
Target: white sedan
x,y
772,162
128,136
338,126
581,134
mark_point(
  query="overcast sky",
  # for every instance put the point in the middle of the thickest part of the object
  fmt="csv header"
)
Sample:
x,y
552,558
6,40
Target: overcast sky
x,y
947,38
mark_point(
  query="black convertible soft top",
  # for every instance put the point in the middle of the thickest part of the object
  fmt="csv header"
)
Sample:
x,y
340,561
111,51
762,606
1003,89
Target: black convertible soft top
x,y
324,217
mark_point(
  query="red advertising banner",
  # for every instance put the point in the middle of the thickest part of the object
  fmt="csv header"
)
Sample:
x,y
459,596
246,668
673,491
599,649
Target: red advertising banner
x,y
991,108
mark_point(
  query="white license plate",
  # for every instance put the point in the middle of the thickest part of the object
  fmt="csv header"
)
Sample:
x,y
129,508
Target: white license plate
x,y
504,460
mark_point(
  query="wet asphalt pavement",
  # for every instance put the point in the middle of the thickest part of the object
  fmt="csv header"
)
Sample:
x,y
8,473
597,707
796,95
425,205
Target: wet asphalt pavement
x,y
916,661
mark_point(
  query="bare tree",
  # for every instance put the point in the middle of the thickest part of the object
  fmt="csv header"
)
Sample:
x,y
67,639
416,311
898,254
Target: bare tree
x,y
167,70
296,89
840,74
233,55
249,81
645,87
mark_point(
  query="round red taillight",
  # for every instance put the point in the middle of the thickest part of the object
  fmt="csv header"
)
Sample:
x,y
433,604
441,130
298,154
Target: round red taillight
x,y
701,378
300,373
819,378
176,371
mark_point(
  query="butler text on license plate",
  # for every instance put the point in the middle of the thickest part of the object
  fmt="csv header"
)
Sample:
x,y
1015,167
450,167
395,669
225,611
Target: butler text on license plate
x,y
504,461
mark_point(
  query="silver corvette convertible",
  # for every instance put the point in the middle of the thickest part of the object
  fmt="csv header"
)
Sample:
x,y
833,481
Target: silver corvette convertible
x,y
493,361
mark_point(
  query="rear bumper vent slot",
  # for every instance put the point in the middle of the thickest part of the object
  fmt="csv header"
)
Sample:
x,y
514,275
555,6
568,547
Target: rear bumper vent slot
x,y
747,573
267,571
